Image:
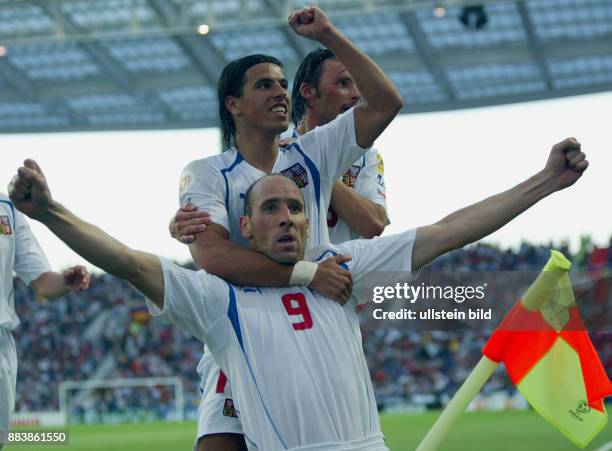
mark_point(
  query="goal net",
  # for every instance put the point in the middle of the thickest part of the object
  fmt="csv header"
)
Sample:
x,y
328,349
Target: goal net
x,y
122,400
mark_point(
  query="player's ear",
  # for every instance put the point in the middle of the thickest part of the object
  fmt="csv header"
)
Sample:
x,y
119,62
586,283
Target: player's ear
x,y
246,229
308,93
232,105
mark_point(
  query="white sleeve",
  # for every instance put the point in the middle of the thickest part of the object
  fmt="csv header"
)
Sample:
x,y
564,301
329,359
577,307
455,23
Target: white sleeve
x,y
370,182
193,301
333,147
383,260
203,185
30,260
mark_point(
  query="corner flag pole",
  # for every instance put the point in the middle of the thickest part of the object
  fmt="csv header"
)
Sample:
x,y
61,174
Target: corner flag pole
x,y
533,299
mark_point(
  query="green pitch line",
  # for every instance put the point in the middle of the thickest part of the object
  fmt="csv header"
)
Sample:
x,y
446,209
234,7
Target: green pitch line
x,y
482,431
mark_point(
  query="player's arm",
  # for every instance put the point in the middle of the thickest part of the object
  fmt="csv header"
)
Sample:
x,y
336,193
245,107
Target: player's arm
x,y
364,208
30,194
32,267
382,100
565,166
360,213
214,252
54,285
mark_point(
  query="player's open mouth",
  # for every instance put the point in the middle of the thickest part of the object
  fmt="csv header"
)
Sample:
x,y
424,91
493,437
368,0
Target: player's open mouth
x,y
286,239
279,108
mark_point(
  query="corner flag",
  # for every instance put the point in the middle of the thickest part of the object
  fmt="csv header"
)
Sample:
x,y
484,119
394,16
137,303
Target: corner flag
x,y
550,358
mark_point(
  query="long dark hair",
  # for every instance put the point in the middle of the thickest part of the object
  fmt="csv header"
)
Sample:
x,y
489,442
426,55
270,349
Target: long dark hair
x,y
309,72
230,84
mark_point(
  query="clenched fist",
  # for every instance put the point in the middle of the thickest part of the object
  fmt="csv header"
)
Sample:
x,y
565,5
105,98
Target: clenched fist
x,y
566,163
310,22
29,191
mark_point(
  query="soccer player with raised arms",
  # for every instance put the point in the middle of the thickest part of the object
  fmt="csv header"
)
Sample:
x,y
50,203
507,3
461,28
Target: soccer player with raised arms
x,y
322,399
254,109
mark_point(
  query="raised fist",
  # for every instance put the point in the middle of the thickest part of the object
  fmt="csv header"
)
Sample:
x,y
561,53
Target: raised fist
x,y
310,22
29,191
566,163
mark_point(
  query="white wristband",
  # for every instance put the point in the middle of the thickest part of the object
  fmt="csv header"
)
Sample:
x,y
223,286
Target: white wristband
x,y
303,273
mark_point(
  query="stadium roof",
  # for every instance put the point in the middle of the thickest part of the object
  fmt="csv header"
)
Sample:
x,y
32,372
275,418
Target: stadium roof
x,y
72,65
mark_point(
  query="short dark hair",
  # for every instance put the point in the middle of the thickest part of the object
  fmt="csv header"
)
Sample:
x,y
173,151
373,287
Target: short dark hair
x,y
309,71
248,201
230,83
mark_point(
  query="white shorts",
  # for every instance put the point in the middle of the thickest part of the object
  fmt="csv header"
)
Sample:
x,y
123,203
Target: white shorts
x,y
8,379
216,414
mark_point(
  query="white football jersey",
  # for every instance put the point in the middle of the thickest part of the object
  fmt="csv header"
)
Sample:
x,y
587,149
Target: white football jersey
x,y
314,162
19,252
299,376
366,177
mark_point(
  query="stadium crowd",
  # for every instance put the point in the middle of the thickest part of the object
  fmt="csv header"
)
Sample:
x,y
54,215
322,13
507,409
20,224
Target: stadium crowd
x,y
69,338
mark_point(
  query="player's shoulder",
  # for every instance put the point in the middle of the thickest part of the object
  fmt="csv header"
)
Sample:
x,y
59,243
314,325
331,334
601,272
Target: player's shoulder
x,y
321,253
176,274
333,128
338,121
373,153
5,198
217,162
289,134
373,157
290,142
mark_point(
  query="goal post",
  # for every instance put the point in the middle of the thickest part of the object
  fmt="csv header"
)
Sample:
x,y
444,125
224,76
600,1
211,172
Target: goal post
x,y
79,395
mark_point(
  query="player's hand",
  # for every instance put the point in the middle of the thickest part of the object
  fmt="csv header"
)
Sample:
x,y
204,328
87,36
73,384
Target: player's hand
x,y
29,191
77,278
310,22
285,142
566,163
188,222
332,280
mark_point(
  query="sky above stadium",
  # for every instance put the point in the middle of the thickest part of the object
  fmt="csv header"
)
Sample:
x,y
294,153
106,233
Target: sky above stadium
x,y
127,182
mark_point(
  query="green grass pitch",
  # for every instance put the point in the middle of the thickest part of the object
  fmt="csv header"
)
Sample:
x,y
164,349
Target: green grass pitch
x,y
482,431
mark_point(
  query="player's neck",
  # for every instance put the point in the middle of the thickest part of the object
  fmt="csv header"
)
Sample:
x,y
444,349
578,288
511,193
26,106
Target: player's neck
x,y
258,149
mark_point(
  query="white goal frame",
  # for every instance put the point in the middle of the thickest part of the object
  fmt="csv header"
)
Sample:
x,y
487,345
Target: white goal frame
x,y
68,385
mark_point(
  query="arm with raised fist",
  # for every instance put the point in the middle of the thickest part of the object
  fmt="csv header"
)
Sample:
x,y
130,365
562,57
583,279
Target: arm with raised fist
x,y
31,195
566,164
381,99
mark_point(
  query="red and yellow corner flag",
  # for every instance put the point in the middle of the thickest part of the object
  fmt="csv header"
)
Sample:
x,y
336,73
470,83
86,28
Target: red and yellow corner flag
x,y
550,358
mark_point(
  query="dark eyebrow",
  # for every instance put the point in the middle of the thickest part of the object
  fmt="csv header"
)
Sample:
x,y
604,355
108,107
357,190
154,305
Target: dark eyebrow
x,y
290,201
282,81
262,80
272,200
